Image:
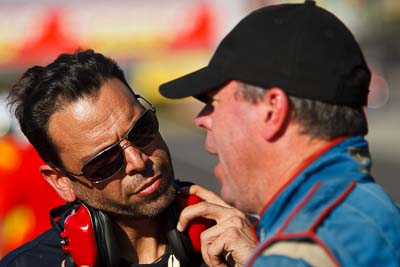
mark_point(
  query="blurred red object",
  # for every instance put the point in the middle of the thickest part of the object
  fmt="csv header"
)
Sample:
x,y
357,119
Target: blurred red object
x,y
25,197
53,39
201,32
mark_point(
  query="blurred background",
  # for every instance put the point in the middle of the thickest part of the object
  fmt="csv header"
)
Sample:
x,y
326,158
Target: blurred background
x,y
155,41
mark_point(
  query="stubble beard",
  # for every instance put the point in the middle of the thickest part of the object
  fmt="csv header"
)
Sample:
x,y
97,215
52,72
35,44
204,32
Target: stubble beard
x,y
148,207
145,207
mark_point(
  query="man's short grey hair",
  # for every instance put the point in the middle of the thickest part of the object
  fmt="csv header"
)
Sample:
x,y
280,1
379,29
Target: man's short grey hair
x,y
317,119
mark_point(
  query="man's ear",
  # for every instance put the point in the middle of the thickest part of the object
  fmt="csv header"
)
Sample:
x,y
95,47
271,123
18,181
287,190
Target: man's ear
x,y
276,113
61,184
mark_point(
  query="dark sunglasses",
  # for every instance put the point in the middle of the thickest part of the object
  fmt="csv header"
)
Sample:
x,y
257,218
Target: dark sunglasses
x,y
105,164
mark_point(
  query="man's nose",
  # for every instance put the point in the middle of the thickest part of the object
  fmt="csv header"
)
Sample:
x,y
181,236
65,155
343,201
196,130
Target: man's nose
x,y
203,119
135,158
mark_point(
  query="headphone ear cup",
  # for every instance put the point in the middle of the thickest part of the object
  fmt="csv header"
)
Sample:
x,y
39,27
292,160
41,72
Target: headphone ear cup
x,y
180,243
87,236
107,248
78,240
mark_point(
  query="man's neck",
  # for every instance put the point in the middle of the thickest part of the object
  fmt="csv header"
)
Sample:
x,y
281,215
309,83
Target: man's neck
x,y
140,240
290,158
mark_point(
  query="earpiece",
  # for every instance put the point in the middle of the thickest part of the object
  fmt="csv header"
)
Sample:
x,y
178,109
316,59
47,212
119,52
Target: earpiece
x,y
197,226
78,229
88,238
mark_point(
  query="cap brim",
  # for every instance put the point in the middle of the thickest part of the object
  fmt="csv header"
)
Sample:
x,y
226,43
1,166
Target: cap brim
x,y
194,84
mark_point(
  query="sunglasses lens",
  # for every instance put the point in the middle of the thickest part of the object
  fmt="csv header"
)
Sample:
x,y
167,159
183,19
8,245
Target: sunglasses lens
x,y
144,131
111,160
104,165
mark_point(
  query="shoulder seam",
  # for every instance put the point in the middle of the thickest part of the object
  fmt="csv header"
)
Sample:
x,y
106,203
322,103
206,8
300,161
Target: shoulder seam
x,y
306,251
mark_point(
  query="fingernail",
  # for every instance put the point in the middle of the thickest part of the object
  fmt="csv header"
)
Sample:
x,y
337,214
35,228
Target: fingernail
x,y
179,227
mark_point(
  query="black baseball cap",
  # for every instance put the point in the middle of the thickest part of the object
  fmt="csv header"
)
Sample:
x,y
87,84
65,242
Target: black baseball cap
x,y
301,48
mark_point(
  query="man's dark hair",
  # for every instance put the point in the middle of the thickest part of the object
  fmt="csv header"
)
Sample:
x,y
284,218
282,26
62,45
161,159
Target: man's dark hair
x,y
42,91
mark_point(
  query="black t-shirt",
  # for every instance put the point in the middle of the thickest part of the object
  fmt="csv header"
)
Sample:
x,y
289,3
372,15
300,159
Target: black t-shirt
x,y
45,251
167,260
163,262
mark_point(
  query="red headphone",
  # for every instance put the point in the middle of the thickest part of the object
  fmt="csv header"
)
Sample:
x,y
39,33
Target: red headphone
x,y
78,230
88,237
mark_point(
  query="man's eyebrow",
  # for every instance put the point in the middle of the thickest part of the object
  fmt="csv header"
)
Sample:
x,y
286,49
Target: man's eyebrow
x,y
85,159
89,157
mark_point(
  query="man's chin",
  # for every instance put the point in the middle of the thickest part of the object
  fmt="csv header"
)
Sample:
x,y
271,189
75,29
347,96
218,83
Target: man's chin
x,y
148,207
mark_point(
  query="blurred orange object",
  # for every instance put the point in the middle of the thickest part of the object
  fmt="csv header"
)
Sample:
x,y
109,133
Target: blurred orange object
x,y
25,197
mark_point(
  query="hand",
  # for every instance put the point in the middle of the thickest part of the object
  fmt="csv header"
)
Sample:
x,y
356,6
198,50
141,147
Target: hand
x,y
230,241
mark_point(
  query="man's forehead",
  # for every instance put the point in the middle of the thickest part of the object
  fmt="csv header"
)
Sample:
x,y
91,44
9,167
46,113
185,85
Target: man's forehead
x,y
93,122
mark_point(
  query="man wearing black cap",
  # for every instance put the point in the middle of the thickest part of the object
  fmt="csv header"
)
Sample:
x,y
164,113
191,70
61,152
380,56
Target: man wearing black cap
x,y
284,95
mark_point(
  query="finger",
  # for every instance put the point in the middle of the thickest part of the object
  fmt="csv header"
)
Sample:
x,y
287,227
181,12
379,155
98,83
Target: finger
x,y
241,224
207,195
211,256
232,247
204,254
215,261
207,210
209,236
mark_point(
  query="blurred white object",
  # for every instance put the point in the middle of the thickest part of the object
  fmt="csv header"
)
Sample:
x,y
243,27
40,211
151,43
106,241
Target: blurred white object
x,y
5,118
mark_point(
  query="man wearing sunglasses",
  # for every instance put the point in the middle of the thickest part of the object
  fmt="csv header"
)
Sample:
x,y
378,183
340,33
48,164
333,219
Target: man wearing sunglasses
x,y
102,147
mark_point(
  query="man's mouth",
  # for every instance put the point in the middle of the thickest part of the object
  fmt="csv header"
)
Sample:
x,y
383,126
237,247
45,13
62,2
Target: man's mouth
x,y
149,187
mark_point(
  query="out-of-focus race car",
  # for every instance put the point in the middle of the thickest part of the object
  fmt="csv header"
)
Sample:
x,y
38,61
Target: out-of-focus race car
x,y
25,197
